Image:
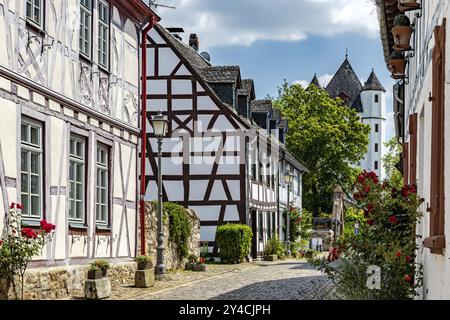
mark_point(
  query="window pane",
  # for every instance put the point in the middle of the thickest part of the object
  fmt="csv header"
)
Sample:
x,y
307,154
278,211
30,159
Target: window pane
x,y
97,213
34,135
24,160
35,206
72,209
79,149
79,210
35,184
24,132
79,191
71,170
29,8
24,182
24,200
79,173
71,190
35,163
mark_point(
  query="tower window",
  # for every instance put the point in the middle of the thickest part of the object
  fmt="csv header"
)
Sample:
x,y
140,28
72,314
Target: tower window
x,y
376,147
377,98
377,128
376,165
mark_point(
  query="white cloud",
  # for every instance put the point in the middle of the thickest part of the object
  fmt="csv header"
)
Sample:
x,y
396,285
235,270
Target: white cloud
x,y
323,79
242,22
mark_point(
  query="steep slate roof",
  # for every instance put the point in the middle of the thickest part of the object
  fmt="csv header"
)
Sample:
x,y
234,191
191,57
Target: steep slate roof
x,y
262,105
373,83
248,87
276,114
315,81
221,74
284,123
345,80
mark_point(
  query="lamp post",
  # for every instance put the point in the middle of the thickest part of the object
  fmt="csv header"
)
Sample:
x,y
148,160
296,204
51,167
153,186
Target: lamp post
x,y
160,124
338,199
288,180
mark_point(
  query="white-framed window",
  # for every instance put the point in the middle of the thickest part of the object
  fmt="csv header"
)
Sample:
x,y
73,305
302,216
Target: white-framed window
x,y
35,12
31,169
77,185
377,98
102,188
103,33
86,28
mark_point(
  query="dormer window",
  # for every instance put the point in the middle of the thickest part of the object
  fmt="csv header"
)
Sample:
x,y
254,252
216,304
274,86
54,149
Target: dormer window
x,y
344,97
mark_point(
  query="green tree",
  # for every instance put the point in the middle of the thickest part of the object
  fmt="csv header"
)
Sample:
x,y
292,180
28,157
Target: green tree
x,y
327,136
390,161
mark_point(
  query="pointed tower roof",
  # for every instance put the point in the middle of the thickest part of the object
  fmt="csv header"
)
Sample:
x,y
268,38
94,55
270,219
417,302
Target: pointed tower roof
x,y
373,83
315,81
346,81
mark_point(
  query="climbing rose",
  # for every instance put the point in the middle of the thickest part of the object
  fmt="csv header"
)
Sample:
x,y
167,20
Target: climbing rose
x,y
408,259
408,278
47,227
19,206
29,233
370,222
370,207
12,205
398,254
393,219
1,242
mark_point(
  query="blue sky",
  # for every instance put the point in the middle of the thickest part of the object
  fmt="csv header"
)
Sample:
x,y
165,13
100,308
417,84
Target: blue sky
x,y
285,39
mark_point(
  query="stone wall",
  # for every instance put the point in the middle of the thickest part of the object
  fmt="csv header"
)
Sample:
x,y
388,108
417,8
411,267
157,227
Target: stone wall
x,y
170,253
62,282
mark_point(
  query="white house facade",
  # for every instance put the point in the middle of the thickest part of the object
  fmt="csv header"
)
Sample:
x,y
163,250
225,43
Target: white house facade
x,y
69,99
421,96
221,156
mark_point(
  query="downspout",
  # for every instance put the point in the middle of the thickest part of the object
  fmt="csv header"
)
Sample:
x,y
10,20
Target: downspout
x,y
145,32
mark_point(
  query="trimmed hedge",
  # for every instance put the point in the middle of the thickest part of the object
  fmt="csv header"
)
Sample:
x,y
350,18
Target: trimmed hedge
x,y
234,242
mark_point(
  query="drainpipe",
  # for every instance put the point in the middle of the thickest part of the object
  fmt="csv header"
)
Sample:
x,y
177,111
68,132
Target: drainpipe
x,y
147,29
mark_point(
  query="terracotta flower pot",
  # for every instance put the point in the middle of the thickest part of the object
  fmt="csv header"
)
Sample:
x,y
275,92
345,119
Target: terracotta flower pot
x,y
95,274
397,67
402,37
200,267
408,5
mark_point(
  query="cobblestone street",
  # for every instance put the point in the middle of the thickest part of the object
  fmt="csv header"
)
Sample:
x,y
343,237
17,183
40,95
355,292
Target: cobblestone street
x,y
282,280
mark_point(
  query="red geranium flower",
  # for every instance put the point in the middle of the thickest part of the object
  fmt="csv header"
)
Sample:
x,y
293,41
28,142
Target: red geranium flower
x,y
19,206
370,222
393,219
408,278
12,205
29,233
398,254
367,189
408,259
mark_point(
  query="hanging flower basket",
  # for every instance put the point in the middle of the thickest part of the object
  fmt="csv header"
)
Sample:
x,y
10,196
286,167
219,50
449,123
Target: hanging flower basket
x,y
402,32
397,65
408,5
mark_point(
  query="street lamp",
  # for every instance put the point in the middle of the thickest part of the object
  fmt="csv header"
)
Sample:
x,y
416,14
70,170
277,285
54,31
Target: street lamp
x,y
160,125
288,177
338,198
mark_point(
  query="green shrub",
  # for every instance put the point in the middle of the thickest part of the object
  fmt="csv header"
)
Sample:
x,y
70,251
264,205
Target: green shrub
x,y
234,241
142,258
275,247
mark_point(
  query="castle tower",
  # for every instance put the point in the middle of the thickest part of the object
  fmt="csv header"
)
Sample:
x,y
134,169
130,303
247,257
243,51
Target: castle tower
x,y
373,98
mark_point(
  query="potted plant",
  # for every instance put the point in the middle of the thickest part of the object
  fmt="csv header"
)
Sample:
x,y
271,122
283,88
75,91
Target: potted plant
x,y
192,261
408,5
402,32
103,265
397,64
94,272
200,266
143,262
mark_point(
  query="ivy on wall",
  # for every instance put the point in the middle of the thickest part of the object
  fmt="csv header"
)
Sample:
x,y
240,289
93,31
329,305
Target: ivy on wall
x,y
180,229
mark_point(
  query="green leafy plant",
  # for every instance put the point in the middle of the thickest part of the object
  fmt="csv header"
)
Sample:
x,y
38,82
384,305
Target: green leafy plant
x,y
275,247
142,258
193,258
387,240
301,223
204,250
402,20
234,241
100,264
180,228
18,245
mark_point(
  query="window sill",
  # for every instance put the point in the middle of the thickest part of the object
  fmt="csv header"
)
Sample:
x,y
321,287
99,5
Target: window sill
x,y
28,223
85,58
104,69
435,243
35,27
77,226
103,228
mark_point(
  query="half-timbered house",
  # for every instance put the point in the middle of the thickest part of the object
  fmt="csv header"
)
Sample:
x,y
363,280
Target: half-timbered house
x,y
221,156
69,106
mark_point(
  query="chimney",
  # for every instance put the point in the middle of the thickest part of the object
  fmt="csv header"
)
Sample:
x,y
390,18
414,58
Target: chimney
x,y
194,42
